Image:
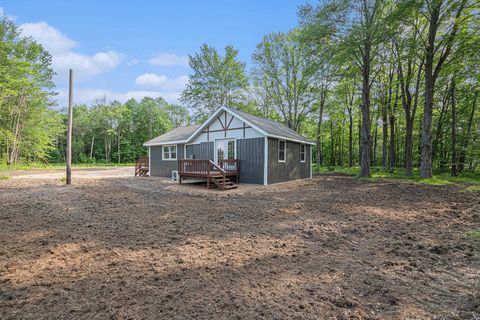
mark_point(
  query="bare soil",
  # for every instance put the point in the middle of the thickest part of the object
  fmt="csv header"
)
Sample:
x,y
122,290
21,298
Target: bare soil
x,y
112,246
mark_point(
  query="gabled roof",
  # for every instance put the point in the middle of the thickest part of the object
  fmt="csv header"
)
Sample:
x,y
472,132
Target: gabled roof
x,y
177,135
272,128
266,127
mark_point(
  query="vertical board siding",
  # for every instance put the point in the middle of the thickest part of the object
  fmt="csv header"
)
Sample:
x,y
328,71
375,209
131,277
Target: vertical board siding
x,y
161,168
292,168
201,151
250,152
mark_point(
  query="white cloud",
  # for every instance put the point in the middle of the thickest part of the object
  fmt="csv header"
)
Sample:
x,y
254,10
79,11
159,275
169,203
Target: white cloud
x,y
64,58
151,80
85,66
49,37
169,60
161,82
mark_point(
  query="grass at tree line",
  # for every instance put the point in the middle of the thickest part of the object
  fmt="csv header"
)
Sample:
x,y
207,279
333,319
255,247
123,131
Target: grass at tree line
x,y
46,166
378,173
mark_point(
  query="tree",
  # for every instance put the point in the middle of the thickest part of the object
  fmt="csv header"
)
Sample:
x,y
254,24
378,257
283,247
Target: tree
x,y
282,67
444,21
216,81
27,124
407,39
358,28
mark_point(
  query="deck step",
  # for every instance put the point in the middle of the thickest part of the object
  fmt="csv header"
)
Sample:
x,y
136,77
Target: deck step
x,y
224,183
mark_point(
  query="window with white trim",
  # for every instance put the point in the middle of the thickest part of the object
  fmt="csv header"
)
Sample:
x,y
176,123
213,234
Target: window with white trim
x,y
302,153
170,152
282,152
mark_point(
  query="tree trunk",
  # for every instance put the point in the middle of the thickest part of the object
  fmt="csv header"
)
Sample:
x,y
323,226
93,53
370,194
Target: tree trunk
x,y
359,140
365,108
318,135
431,75
439,130
392,143
426,153
350,138
409,147
91,147
118,147
454,130
332,150
375,139
384,138
463,153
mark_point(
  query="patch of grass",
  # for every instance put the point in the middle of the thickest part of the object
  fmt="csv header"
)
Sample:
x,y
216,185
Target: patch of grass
x,y
4,177
475,234
472,189
439,179
45,166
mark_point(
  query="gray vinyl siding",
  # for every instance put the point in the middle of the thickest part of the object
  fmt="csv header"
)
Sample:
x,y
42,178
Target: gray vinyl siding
x,y
251,154
163,168
292,168
201,151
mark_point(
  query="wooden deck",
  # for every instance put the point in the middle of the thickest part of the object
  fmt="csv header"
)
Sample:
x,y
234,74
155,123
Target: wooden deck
x,y
220,175
141,166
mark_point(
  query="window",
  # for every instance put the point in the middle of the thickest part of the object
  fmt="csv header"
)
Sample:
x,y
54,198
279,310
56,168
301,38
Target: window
x,y
281,150
231,149
302,153
170,152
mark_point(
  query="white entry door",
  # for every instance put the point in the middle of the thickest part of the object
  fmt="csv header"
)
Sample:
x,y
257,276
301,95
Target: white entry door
x,y
225,149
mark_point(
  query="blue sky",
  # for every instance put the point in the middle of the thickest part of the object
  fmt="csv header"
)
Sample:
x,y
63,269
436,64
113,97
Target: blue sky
x,y
125,49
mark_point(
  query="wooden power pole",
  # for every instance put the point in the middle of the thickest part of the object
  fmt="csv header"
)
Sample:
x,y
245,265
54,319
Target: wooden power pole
x,y
69,128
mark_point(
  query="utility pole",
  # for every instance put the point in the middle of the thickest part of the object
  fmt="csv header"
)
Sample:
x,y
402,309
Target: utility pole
x,y
69,128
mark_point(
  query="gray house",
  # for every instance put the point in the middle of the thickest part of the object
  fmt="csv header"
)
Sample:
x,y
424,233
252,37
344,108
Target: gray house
x,y
232,145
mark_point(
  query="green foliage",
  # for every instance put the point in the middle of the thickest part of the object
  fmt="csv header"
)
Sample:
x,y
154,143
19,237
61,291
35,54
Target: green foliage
x,y
379,173
27,124
115,132
283,69
216,81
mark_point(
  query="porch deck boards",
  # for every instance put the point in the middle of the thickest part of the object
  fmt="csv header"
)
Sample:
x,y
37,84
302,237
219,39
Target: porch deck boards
x,y
215,174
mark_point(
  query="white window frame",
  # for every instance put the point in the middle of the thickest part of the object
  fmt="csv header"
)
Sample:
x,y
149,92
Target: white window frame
x,y
284,151
169,146
303,149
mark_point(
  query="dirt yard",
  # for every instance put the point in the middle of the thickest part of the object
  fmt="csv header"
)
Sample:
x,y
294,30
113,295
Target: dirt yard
x,y
112,246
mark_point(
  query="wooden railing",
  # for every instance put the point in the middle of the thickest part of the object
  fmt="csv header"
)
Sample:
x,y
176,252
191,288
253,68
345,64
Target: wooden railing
x,y
232,166
199,168
142,166
208,168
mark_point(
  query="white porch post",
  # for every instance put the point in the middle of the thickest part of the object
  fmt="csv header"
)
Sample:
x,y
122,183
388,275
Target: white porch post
x,y
265,162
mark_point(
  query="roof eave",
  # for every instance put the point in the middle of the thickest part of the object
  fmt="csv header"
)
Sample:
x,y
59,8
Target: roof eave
x,y
154,144
290,139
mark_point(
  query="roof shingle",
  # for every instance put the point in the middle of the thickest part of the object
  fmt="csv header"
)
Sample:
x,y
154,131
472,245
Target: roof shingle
x,y
177,134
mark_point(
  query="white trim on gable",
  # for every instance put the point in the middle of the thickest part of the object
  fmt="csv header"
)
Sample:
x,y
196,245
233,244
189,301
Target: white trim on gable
x,y
265,133
156,144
